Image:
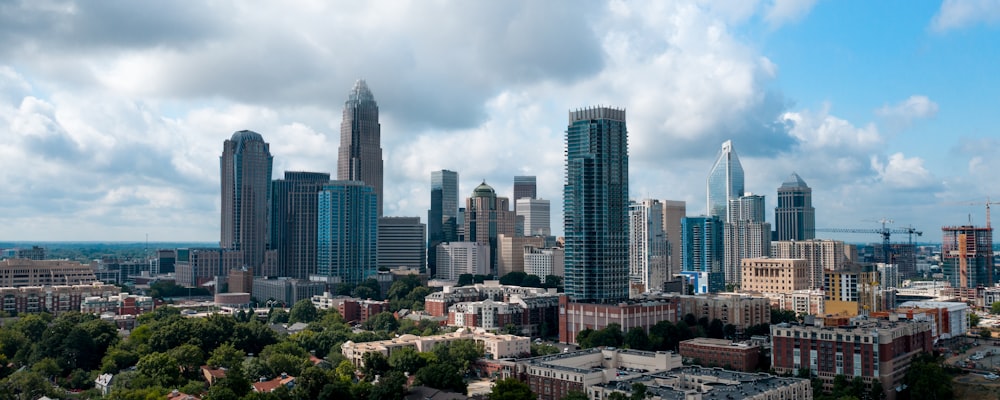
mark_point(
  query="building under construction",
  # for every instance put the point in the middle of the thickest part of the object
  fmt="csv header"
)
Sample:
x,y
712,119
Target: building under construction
x,y
967,256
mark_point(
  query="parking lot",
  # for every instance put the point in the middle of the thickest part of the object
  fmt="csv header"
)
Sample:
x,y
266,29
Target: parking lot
x,y
990,361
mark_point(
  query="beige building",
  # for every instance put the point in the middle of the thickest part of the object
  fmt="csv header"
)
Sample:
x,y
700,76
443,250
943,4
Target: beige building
x,y
673,212
53,299
697,383
486,218
510,254
494,345
774,275
21,272
820,255
809,301
552,377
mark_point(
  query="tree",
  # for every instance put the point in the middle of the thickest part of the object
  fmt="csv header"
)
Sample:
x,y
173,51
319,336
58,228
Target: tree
x,y
575,395
729,331
444,376
716,329
303,311
511,389
374,363
465,280
995,308
161,368
364,292
383,321
532,281
927,380
638,391
779,316
973,320
189,357
25,385
407,359
636,338
553,281
390,386
514,278
226,356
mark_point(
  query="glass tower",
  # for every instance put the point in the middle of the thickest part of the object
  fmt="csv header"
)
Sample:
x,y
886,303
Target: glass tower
x,y
347,236
596,206
360,154
245,165
702,242
442,218
293,221
795,217
725,182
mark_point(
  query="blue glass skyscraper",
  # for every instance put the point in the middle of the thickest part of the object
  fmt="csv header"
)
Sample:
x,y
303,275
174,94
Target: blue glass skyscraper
x,y
725,182
347,237
596,206
702,252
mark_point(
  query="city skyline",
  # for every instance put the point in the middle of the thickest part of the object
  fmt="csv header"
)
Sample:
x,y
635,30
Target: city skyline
x,y
112,131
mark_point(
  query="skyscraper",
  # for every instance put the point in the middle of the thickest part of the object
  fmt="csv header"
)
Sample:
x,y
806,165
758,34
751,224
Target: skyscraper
x,y
702,254
294,215
534,215
442,218
401,242
673,212
360,154
347,233
725,182
648,261
524,187
746,235
795,217
486,217
595,203
245,165
967,256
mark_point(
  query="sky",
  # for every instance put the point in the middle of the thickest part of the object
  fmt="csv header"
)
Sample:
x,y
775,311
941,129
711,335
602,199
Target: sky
x,y
113,114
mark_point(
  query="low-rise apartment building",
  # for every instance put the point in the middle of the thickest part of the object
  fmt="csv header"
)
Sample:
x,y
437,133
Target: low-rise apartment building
x,y
721,353
494,345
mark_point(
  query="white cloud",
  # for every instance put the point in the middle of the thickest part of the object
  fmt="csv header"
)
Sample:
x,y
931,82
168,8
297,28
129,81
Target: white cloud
x,y
958,14
822,131
780,12
899,172
901,115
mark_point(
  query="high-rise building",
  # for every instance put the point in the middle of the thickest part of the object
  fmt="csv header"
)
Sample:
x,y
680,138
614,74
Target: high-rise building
x,y
725,182
647,248
525,188
702,252
442,218
360,153
534,215
673,212
347,236
245,165
967,255
510,252
595,204
795,217
746,235
486,217
543,262
820,255
457,258
401,242
294,215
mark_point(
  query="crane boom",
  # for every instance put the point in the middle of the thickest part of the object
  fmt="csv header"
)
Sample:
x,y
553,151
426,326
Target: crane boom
x,y
885,232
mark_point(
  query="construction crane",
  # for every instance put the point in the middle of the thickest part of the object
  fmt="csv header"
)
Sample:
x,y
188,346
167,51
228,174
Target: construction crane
x,y
886,233
988,202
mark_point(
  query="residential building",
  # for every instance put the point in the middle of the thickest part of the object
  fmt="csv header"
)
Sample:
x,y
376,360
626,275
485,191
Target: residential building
x,y
116,303
648,251
794,217
294,218
529,315
854,290
22,272
535,215
951,319
495,346
511,251
245,165
725,182
359,157
268,386
437,303
774,275
967,256
867,349
544,262
746,235
703,252
442,218
459,258
595,204
486,218
196,267
553,377
401,242
347,250
673,212
820,255
286,291
55,299
694,382
358,310
707,352
807,301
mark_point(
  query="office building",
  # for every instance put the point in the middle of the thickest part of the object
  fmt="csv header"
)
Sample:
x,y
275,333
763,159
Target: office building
x,y
595,204
294,214
511,252
442,218
197,267
401,243
702,251
794,217
544,262
747,235
673,212
347,247
533,215
360,155
648,253
721,353
486,217
774,275
725,182
245,165
820,255
164,261
457,258
285,291
22,272
525,188
967,256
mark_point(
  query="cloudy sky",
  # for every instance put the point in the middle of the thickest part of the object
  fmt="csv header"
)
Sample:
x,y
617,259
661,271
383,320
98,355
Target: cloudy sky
x,y
113,113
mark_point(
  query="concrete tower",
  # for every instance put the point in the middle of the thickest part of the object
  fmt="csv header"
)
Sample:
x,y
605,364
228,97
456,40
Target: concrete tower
x,y
795,217
245,165
360,154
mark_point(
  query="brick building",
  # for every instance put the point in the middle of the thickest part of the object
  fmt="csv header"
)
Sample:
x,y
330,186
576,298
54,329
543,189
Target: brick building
x,y
54,299
721,353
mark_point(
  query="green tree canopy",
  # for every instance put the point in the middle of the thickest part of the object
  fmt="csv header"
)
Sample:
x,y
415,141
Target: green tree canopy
x,y
511,389
303,311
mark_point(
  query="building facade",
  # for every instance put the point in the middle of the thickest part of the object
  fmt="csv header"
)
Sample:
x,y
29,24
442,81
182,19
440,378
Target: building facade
x,y
534,216
746,235
648,252
511,252
595,204
673,212
245,165
198,266
347,247
21,272
725,182
486,218
442,218
294,214
794,217
723,353
774,275
360,155
967,256
544,262
457,258
401,242
703,251
820,255
55,299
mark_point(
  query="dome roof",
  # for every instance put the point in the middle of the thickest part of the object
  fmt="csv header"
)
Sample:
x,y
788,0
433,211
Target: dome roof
x,y
484,190
794,180
247,136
